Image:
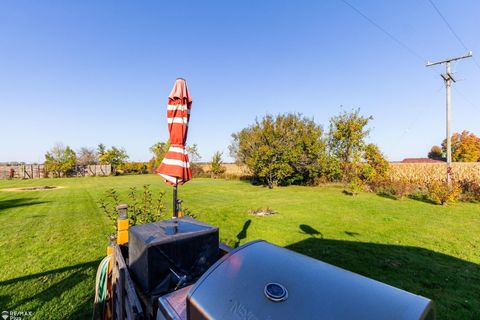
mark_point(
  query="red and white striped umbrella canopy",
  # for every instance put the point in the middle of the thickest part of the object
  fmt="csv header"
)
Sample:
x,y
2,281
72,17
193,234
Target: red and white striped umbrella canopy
x,y
175,167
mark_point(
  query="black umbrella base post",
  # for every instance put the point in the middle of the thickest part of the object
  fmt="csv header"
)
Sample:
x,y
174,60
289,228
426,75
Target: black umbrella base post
x,y
175,203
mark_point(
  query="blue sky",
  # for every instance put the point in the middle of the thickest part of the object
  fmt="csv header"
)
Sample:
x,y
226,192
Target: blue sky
x,y
87,72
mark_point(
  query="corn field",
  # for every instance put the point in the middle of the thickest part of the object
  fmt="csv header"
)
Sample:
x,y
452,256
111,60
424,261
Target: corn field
x,y
425,173
230,169
419,173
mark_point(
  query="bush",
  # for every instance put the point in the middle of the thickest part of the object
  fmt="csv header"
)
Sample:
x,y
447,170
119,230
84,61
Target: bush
x,y
60,161
280,150
442,193
133,168
216,165
197,171
393,188
143,206
470,190
375,166
402,188
354,186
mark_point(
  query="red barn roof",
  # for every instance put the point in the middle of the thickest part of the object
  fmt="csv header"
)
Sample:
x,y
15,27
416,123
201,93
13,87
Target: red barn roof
x,y
420,160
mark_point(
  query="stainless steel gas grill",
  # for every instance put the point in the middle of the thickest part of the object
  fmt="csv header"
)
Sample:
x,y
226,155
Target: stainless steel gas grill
x,y
177,270
262,281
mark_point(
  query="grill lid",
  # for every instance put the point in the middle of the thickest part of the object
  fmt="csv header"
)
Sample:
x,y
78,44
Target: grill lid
x,y
262,281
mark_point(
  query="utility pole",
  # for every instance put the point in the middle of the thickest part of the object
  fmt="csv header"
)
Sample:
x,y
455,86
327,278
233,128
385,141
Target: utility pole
x,y
448,78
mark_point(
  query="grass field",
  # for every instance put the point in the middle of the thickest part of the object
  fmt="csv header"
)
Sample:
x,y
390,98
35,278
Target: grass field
x,y
51,241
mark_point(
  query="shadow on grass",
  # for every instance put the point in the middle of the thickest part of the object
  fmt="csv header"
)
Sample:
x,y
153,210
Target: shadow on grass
x,y
453,284
415,196
351,233
312,232
387,196
243,233
421,197
20,202
38,289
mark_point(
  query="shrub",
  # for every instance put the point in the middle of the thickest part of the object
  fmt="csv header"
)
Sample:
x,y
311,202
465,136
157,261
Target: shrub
x,y
393,188
402,188
133,168
186,212
354,186
113,156
143,207
442,193
375,166
216,165
280,150
197,171
470,190
60,160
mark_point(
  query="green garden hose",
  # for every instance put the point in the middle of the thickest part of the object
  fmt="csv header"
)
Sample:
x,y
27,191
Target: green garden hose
x,y
101,289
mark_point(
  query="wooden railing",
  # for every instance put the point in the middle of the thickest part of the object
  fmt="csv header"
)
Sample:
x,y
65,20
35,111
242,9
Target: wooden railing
x,y
125,302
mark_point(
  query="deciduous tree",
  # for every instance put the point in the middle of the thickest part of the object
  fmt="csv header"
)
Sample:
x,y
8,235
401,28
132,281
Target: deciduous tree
x,y
113,156
216,165
465,147
60,160
86,156
281,150
158,150
436,153
346,140
193,153
375,165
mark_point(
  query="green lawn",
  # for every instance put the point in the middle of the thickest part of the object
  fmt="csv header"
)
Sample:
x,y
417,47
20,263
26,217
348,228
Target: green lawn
x,y
51,241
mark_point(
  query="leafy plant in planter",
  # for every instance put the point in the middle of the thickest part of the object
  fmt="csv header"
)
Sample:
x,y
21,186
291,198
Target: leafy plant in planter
x,y
144,206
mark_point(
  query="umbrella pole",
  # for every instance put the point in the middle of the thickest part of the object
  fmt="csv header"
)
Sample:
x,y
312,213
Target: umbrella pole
x,y
175,209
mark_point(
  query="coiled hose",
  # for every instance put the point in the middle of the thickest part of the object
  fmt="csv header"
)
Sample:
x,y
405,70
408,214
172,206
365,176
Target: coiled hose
x,y
101,289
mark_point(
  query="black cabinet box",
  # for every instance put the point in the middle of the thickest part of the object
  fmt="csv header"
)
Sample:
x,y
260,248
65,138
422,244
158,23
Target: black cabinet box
x,y
159,250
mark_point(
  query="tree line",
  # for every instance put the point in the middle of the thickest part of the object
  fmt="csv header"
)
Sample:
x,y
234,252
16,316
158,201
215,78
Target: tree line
x,y
62,160
293,149
465,148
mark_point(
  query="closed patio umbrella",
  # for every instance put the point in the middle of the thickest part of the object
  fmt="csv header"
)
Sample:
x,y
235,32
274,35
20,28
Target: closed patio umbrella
x,y
175,166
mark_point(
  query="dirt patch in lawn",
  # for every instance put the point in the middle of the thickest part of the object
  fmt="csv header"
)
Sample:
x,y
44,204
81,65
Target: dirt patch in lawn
x,y
262,212
35,188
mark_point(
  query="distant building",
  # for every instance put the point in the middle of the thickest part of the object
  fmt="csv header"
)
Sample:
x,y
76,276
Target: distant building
x,y
420,160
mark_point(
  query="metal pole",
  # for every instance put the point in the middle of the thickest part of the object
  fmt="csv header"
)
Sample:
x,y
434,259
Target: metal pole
x,y
448,84
175,212
448,78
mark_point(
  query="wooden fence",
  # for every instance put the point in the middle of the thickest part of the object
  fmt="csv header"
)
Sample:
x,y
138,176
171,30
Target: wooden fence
x,y
37,171
125,301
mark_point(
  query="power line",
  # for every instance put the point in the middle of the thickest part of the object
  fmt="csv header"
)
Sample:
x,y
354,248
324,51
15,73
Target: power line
x,y
452,31
468,100
448,24
391,36
403,45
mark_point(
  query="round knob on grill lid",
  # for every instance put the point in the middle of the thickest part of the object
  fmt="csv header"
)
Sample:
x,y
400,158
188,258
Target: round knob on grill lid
x,y
276,292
